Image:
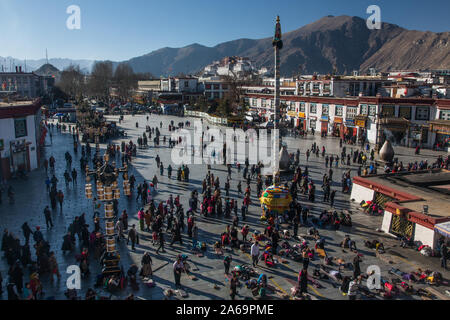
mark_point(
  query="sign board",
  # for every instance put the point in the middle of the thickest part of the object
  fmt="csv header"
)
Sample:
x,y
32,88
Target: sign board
x,y
337,120
350,122
360,123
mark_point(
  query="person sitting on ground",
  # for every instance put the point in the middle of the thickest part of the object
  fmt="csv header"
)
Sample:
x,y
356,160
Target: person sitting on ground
x,y
218,248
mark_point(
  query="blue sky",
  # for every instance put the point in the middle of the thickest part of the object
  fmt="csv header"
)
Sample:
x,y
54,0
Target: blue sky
x,y
119,30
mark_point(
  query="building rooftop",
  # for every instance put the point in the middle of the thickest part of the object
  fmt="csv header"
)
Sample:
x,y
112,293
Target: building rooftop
x,y
413,190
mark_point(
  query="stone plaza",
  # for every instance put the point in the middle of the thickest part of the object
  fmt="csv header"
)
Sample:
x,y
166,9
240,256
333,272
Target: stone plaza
x,y
210,283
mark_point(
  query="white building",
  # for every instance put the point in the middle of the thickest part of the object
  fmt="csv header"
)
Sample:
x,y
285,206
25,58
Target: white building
x,y
21,136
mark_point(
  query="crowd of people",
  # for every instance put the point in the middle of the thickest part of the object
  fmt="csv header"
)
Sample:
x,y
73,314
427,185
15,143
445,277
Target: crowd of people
x,y
167,219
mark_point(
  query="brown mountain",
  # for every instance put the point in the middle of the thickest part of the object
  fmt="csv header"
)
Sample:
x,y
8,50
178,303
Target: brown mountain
x,y
343,43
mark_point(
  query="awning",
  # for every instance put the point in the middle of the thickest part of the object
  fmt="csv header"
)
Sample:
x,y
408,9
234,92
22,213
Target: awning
x,y
443,228
440,126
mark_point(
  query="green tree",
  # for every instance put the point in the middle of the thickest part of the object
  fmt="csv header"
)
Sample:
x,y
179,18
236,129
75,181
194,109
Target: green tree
x,y
224,108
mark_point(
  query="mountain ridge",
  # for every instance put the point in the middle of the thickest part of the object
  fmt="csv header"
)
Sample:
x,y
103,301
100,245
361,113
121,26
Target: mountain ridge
x,y
341,44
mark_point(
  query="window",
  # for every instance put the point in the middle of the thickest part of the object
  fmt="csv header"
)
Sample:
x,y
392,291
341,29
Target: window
x,y
216,87
404,112
312,124
20,126
364,109
224,87
186,84
316,87
313,108
351,112
339,111
422,113
388,111
325,109
444,115
302,107
254,102
372,110
207,86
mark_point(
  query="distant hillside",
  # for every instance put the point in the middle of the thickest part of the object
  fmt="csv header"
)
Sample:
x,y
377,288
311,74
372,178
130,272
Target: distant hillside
x,y
340,43
60,64
343,43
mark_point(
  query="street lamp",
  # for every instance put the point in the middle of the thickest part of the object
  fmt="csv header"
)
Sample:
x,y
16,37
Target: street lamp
x,y
107,191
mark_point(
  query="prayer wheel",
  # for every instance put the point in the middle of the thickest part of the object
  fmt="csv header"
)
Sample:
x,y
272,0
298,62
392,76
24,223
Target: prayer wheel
x,y
88,191
117,194
115,184
100,194
110,245
109,211
110,228
108,193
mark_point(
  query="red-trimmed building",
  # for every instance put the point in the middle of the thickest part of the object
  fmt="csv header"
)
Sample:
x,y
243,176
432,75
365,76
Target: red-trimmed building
x,y
21,136
414,203
407,121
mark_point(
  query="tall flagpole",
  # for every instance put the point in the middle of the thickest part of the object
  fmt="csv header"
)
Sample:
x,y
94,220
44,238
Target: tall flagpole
x,y
278,45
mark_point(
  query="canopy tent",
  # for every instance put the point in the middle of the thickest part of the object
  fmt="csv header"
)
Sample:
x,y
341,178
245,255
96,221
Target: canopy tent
x,y
443,228
275,199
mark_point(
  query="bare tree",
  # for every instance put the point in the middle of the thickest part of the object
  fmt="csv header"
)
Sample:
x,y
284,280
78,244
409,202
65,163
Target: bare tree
x,y
72,81
235,93
100,79
125,80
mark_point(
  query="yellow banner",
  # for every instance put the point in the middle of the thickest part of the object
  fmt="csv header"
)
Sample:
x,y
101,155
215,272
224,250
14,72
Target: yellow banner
x,y
301,115
360,123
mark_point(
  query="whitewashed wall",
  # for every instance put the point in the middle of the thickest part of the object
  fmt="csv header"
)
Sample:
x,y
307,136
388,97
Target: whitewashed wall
x,y
386,224
425,235
360,193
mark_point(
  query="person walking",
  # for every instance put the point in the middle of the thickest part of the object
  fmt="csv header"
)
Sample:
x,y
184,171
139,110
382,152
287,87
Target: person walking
x,y
119,230
26,232
234,282
254,251
302,281
356,267
133,236
48,217
161,242
194,236
178,267
60,196
53,267
227,263
146,263
296,223
444,256
332,195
